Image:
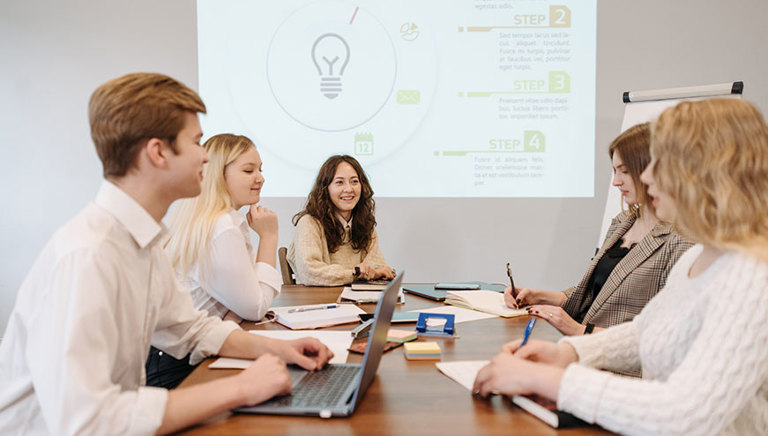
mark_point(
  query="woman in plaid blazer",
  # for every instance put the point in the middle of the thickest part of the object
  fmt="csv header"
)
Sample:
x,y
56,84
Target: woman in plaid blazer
x,y
631,266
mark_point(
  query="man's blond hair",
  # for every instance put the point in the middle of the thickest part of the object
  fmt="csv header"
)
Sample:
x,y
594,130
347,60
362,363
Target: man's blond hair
x,y
128,111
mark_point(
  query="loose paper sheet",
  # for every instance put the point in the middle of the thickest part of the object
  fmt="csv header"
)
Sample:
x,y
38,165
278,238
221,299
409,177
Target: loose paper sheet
x,y
463,372
337,341
461,314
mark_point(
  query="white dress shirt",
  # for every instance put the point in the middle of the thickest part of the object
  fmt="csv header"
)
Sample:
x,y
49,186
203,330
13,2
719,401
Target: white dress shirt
x,y
102,290
233,280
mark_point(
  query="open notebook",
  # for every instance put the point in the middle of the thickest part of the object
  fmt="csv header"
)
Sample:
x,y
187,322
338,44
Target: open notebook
x,y
484,301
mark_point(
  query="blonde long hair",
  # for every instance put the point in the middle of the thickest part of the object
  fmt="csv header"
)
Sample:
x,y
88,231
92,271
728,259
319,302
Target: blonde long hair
x,y
192,219
711,157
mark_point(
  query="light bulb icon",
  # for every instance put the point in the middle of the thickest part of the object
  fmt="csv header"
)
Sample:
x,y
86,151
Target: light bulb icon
x,y
330,53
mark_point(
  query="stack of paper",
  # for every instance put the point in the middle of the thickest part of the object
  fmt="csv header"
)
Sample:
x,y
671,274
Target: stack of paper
x,y
422,351
361,297
369,285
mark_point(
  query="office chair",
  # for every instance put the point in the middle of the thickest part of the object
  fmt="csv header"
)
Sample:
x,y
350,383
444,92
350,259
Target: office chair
x,y
285,267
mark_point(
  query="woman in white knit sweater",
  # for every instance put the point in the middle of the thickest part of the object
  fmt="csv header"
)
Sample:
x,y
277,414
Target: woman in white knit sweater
x,y
702,342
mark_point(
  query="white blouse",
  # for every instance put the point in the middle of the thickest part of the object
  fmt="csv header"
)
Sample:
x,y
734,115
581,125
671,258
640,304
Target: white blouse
x,y
233,279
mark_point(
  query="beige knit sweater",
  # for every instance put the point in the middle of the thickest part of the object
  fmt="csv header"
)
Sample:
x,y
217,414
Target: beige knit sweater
x,y
702,343
312,263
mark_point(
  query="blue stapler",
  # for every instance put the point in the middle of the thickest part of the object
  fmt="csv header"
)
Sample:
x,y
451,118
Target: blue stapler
x,y
445,330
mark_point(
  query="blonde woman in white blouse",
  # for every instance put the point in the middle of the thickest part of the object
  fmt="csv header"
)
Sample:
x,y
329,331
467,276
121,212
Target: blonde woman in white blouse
x,y
210,245
701,342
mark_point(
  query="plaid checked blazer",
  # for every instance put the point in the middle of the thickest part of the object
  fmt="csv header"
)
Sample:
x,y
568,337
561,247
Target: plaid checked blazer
x,y
635,279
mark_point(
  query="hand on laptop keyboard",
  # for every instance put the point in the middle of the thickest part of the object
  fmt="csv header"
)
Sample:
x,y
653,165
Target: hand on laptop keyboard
x,y
266,378
308,353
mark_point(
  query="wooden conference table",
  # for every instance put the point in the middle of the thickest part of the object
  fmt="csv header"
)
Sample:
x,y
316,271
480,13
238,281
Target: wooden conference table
x,y
407,397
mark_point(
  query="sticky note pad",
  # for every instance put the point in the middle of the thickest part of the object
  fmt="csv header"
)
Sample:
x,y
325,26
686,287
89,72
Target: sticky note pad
x,y
401,335
422,347
422,350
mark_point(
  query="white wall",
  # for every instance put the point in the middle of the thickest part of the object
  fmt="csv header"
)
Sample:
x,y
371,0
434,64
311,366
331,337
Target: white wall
x,y
53,54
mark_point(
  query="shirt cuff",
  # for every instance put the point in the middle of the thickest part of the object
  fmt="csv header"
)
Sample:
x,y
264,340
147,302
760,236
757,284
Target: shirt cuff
x,y
150,410
212,342
581,390
268,275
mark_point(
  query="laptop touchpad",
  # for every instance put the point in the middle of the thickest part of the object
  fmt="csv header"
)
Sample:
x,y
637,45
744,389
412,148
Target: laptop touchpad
x,y
296,373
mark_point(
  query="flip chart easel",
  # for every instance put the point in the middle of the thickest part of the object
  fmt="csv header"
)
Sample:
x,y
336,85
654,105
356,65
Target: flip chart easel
x,y
643,106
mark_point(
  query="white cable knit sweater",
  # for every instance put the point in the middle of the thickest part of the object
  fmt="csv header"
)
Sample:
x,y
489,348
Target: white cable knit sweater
x,y
703,346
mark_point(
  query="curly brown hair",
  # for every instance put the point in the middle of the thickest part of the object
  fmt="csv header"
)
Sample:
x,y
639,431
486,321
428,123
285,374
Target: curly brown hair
x,y
320,207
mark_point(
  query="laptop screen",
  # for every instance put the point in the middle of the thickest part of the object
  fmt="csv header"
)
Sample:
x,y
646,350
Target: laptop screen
x,y
378,336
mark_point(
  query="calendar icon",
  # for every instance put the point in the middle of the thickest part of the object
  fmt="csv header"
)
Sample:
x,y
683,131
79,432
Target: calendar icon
x,y
363,144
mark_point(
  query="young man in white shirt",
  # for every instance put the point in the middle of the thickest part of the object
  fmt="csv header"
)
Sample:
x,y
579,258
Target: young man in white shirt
x,y
103,291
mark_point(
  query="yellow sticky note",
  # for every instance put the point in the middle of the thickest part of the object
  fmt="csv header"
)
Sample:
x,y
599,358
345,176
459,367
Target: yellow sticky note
x,y
422,347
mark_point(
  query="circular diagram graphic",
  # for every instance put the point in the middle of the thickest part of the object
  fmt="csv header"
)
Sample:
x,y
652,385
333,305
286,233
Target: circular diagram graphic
x,y
331,67
329,78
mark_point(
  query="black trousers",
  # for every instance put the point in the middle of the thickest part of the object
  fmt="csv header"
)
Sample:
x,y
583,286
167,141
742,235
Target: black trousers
x,y
165,371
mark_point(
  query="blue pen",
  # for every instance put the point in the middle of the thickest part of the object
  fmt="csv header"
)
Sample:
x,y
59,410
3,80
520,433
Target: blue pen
x,y
528,330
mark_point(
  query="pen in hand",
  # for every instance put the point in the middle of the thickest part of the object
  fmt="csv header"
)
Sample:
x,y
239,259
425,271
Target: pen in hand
x,y
511,282
528,330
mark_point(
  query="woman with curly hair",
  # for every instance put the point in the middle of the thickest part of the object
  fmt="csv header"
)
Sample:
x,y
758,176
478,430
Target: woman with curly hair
x,y
701,341
335,240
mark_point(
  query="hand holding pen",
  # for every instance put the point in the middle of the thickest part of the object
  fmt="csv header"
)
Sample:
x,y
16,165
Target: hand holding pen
x,y
510,294
506,372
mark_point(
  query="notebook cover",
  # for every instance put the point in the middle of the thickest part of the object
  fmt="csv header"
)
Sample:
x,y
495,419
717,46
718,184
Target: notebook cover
x,y
358,345
546,411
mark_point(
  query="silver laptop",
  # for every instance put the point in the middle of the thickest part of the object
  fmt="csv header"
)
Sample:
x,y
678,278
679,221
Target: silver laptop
x,y
339,388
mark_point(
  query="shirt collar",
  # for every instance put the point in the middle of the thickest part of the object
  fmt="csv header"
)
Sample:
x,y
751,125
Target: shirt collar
x,y
238,219
139,223
344,223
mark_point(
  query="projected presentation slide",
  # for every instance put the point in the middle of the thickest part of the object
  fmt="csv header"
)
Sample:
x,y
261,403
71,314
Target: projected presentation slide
x,y
435,98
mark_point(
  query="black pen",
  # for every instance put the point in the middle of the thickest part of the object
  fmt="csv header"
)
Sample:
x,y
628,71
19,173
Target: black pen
x,y
511,282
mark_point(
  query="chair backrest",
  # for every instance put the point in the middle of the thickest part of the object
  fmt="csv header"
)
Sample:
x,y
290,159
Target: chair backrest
x,y
285,267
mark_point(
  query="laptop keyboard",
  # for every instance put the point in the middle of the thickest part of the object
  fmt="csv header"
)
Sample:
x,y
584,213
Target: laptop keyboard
x,y
320,388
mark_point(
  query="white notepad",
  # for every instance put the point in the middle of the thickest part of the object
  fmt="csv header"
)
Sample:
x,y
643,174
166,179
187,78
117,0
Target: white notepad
x,y
298,317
